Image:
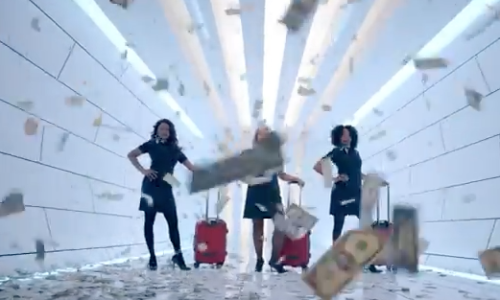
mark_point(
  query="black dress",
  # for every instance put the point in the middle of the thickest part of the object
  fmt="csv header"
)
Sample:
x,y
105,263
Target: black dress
x,y
164,157
266,195
348,162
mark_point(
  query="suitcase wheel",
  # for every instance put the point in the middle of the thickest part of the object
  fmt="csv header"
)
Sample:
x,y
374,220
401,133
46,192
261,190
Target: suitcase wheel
x,y
304,267
196,265
219,265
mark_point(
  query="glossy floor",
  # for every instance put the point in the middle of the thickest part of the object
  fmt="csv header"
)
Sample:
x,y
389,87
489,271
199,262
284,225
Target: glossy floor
x,y
236,280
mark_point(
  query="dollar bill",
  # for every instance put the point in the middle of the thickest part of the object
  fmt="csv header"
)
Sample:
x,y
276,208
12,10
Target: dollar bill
x,y
285,225
341,263
170,179
474,98
297,13
327,171
490,261
430,63
300,217
370,195
404,252
12,203
123,3
266,155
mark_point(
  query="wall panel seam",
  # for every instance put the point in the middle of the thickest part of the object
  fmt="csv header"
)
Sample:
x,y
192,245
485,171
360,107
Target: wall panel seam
x,y
367,132
491,234
66,60
453,186
80,249
80,211
444,154
68,171
97,61
69,88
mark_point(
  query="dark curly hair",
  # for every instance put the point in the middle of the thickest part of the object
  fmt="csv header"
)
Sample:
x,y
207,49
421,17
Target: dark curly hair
x,y
172,136
336,135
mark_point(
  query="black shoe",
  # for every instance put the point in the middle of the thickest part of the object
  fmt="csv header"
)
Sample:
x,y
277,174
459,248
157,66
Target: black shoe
x,y
279,268
373,269
152,263
259,265
178,260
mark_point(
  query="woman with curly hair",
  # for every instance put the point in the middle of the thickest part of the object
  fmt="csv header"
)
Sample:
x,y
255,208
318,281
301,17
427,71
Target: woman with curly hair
x,y
157,195
345,197
263,201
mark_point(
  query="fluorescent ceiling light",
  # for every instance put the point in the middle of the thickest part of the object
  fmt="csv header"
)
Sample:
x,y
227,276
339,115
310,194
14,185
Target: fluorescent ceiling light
x,y
326,21
199,19
233,52
113,34
376,16
178,18
446,36
274,49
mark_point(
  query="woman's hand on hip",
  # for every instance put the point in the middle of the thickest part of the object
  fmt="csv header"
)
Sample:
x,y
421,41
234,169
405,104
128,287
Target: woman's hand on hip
x,y
150,174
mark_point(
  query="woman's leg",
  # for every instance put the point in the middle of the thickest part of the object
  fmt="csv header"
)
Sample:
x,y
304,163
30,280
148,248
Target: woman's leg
x,y
338,225
173,232
173,229
278,240
149,221
258,237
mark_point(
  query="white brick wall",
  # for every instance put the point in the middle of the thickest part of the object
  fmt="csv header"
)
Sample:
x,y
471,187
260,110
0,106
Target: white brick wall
x,y
69,56
448,154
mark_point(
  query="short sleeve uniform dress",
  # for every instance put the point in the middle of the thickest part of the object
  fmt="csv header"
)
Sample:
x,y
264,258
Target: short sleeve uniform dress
x,y
348,162
261,200
164,157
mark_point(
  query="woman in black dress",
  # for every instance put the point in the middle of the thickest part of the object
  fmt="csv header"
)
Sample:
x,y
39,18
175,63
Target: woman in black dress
x,y
345,197
157,195
263,200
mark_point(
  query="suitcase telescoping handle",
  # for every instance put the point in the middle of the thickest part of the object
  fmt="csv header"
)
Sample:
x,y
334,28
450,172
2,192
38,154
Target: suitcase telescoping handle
x,y
289,189
388,206
207,203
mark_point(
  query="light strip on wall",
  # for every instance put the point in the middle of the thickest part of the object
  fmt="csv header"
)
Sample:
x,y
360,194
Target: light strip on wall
x,y
179,20
329,20
233,51
95,13
378,13
199,19
446,36
274,50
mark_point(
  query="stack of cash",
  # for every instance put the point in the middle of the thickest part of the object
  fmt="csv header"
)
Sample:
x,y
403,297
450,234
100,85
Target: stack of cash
x,y
341,263
264,156
300,217
12,203
297,13
490,261
404,241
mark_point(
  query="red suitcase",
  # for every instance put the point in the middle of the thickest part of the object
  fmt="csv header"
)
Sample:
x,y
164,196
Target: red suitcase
x,y
296,253
210,241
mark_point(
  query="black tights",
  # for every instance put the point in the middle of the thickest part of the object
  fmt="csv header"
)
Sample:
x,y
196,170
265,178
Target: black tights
x,y
258,240
338,225
173,230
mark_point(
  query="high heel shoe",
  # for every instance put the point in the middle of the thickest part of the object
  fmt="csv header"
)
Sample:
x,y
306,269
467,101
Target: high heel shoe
x,y
178,260
374,269
152,265
259,264
278,267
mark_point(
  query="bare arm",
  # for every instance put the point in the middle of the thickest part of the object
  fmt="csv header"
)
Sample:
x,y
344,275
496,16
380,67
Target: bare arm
x,y
317,168
188,165
132,156
288,178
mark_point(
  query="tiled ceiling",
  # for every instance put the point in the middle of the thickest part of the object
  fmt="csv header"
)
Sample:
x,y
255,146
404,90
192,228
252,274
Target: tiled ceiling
x,y
229,54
